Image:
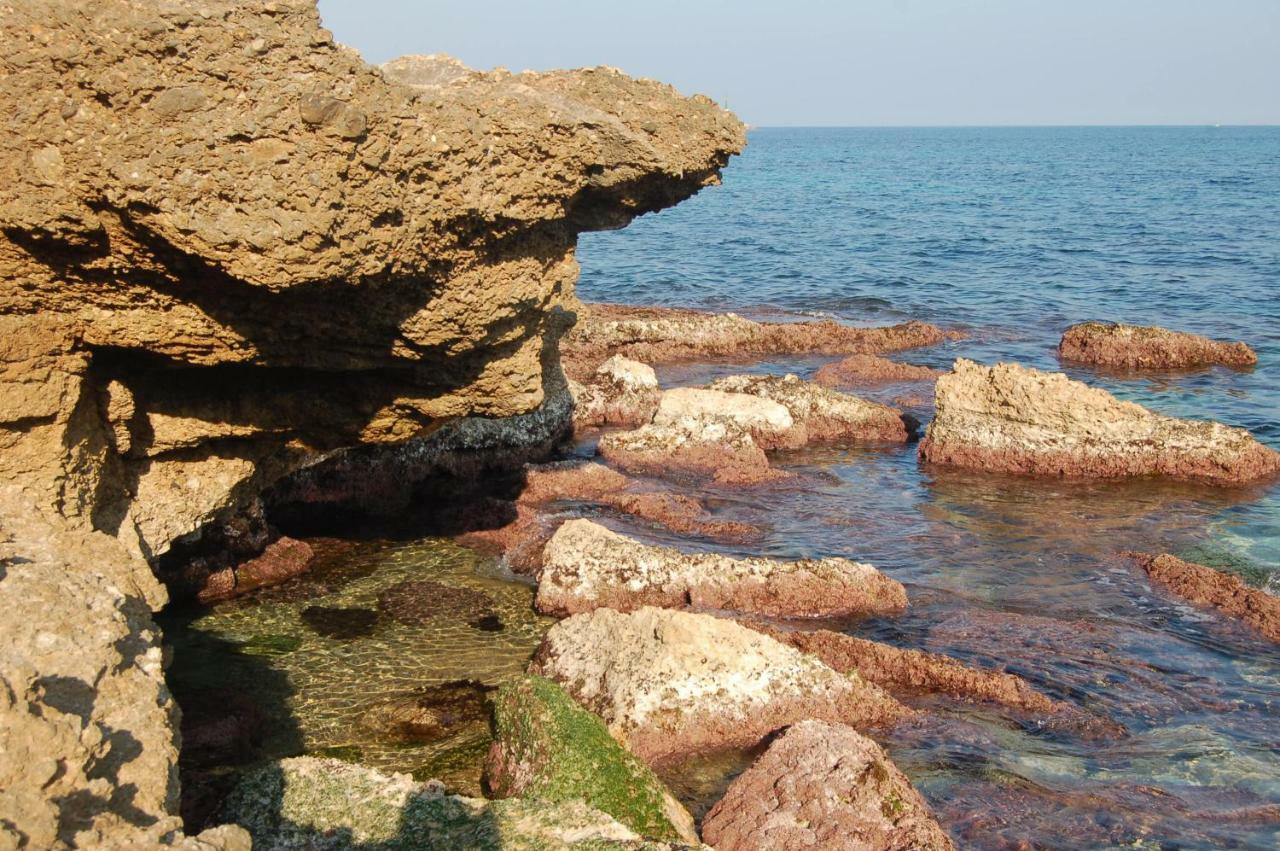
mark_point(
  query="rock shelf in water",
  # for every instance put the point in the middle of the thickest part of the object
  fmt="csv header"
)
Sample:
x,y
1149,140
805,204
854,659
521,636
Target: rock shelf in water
x,y
1013,419
1137,347
586,566
670,684
819,414
1206,586
858,370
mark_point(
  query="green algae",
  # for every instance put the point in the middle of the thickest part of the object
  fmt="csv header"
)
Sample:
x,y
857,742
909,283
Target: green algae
x,y
557,751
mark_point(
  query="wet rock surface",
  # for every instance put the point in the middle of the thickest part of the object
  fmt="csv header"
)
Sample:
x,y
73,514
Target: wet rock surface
x,y
586,567
1139,347
1220,591
419,601
1013,419
547,747
858,370
429,715
334,622
282,560
821,415
670,684
822,785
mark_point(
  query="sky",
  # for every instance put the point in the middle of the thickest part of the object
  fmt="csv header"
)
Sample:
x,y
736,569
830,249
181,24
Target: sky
x,y
875,62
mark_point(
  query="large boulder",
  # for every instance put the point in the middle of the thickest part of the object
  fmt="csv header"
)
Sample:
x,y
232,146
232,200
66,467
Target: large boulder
x,y
1010,418
312,804
545,746
820,414
586,566
823,785
1133,347
670,683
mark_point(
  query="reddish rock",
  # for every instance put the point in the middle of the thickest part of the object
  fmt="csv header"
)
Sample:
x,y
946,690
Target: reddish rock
x,y
1013,419
1136,347
586,567
282,560
821,415
682,514
825,786
1208,587
657,335
858,370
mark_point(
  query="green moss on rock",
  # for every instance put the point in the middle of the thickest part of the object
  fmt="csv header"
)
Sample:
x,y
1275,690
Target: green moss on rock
x,y
547,746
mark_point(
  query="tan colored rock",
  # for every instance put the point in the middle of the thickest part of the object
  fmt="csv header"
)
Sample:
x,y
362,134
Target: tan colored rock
x,y
1120,346
659,335
621,393
820,414
768,423
671,683
1220,591
826,786
714,447
861,370
586,566
1013,419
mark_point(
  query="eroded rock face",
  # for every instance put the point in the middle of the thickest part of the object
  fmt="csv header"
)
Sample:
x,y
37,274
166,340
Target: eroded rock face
x,y
622,392
820,415
586,566
857,370
547,747
230,244
1208,587
309,803
823,785
1010,418
669,683
658,335
1121,346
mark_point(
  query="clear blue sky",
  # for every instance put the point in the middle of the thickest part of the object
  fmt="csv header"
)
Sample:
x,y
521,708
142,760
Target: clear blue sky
x,y
875,62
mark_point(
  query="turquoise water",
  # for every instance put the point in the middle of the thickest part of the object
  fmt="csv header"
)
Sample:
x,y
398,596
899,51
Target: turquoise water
x,y
1014,234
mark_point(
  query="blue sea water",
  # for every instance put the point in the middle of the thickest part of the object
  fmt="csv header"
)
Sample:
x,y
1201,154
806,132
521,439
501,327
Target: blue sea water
x,y
1013,234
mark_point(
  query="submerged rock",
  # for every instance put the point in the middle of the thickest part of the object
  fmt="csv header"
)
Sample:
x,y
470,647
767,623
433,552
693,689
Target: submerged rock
x,y
1209,587
826,786
1121,346
1010,418
670,684
658,335
428,715
547,747
419,601
621,393
586,566
282,560
821,415
313,804
870,369
345,624
717,448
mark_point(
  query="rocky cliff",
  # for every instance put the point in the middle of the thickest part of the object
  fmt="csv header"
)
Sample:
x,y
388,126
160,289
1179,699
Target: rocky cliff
x,y
230,247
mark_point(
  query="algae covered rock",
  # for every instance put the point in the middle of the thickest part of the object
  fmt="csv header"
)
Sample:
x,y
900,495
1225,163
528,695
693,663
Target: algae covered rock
x,y
328,805
548,747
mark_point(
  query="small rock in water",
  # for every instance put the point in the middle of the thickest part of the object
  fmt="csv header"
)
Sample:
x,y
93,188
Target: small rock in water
x,y
418,601
340,623
428,715
488,623
1148,347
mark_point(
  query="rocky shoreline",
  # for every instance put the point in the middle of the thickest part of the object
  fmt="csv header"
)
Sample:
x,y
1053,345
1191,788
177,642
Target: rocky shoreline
x,y
374,327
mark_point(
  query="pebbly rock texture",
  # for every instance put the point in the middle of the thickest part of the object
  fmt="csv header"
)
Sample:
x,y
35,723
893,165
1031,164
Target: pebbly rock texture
x,y
621,393
1220,591
586,566
858,370
770,424
658,335
670,684
820,415
547,747
328,805
230,248
712,447
1010,418
823,786
1135,347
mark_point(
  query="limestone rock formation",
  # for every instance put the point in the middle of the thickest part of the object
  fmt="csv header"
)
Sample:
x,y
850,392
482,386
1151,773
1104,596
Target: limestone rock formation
x,y
714,447
229,248
1206,586
622,392
824,786
857,370
328,805
586,566
547,747
670,683
658,335
1133,347
1014,419
821,415
769,424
